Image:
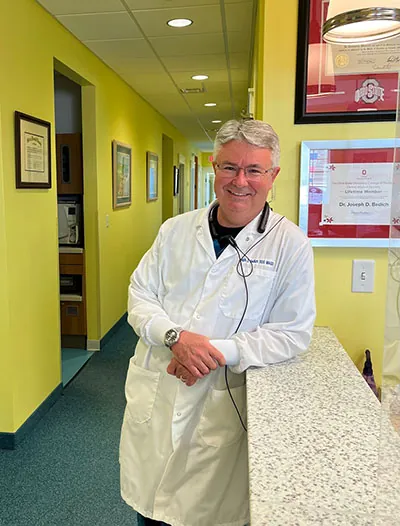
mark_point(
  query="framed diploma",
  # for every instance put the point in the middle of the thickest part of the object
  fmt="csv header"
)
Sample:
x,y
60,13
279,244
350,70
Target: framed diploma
x,y
122,174
32,152
348,192
323,92
151,176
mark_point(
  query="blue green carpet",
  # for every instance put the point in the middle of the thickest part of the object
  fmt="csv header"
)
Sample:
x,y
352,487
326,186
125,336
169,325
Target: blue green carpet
x,y
66,472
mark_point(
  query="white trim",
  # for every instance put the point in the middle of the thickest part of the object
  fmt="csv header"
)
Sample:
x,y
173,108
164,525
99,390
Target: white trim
x,y
93,345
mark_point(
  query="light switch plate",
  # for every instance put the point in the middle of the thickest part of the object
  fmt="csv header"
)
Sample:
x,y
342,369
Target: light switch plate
x,y
363,275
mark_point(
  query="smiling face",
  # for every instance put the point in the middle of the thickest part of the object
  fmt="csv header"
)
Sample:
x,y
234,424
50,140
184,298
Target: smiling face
x,y
241,200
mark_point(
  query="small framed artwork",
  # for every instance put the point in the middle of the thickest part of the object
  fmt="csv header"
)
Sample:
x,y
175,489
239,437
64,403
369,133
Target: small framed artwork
x,y
32,152
176,180
325,96
122,174
152,176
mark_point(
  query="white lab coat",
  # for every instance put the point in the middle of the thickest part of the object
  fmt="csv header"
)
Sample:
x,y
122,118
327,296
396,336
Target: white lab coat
x,y
183,451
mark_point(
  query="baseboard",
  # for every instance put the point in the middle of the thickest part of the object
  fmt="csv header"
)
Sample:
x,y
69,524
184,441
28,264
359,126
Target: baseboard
x,y
107,337
93,345
12,440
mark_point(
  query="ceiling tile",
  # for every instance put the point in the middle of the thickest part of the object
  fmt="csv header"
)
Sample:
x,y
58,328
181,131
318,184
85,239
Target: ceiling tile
x,y
165,4
188,45
239,60
101,26
164,102
239,41
120,51
206,19
239,89
195,63
143,65
184,78
239,75
216,91
63,7
239,16
152,83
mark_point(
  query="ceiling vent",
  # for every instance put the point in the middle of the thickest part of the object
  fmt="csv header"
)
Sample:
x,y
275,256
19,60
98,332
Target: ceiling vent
x,y
193,91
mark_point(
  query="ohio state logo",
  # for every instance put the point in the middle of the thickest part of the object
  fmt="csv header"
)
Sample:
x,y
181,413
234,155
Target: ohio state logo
x,y
370,92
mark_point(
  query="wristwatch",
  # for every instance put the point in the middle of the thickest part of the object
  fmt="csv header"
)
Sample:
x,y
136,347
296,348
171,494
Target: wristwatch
x,y
172,336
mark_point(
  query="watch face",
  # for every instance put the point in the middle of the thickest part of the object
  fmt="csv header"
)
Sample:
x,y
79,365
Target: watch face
x,y
171,337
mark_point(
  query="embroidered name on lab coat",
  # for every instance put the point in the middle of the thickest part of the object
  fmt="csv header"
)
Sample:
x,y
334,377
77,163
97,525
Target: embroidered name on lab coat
x,y
259,262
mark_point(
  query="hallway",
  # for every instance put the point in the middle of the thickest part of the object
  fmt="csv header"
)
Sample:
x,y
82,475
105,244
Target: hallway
x,y
66,472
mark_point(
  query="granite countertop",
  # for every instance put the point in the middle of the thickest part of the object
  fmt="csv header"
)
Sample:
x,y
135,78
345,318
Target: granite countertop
x,y
321,450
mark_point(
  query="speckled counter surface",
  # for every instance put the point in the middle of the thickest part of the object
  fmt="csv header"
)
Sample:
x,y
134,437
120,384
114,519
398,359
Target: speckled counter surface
x,y
321,450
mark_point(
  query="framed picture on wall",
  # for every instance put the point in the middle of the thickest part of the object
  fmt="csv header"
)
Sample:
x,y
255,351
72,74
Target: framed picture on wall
x,y
122,174
176,180
346,193
323,95
32,152
151,176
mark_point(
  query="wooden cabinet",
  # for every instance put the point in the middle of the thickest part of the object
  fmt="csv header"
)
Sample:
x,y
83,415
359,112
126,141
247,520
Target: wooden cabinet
x,y
69,163
73,318
73,305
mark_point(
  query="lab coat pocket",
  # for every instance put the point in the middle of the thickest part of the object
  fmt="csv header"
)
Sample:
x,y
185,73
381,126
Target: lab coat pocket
x,y
219,424
141,391
233,298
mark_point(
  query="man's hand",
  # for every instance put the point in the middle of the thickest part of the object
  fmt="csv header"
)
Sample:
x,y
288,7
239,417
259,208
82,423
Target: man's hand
x,y
176,369
196,354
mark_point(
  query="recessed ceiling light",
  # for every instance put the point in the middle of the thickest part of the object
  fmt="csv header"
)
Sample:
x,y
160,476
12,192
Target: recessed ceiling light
x,y
216,122
210,104
180,22
200,77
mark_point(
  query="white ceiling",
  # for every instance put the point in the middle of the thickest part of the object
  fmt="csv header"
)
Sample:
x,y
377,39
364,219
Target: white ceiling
x,y
133,38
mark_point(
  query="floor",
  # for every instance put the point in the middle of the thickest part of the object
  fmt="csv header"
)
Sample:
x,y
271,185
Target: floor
x,y
66,471
72,361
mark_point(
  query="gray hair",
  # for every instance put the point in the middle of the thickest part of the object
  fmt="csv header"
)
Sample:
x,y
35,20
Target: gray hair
x,y
257,133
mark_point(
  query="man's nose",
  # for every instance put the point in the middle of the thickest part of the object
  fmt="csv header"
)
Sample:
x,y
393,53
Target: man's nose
x,y
240,178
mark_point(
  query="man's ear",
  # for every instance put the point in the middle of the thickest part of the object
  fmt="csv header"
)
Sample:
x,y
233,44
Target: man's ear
x,y
275,173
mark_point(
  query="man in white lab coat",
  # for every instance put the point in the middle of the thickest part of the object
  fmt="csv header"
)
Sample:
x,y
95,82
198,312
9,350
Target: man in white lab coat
x,y
221,289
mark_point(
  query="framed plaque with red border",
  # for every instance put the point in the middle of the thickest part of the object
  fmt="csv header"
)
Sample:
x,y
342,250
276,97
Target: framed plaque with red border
x,y
349,193
323,96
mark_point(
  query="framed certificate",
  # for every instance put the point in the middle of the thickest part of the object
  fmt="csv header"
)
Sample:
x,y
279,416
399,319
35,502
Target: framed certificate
x,y
32,152
322,95
347,190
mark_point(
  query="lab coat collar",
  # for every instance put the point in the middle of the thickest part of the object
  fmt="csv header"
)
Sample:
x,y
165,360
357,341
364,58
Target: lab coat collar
x,y
245,238
250,228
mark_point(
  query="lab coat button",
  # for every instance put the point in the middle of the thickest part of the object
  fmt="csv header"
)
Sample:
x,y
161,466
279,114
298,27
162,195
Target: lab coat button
x,y
197,316
178,414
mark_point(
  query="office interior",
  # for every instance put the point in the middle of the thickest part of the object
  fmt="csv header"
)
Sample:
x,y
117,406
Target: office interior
x,y
57,68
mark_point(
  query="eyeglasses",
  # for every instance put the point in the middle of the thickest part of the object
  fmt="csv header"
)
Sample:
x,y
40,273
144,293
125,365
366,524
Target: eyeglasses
x,y
250,172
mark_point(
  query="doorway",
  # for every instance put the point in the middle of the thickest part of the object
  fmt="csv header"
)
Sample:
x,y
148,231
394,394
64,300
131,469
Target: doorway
x,y
76,153
181,185
167,177
70,212
194,182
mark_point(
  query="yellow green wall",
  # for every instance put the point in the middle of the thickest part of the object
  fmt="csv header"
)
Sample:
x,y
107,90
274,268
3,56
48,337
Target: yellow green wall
x,y
357,319
30,355
205,162
6,355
